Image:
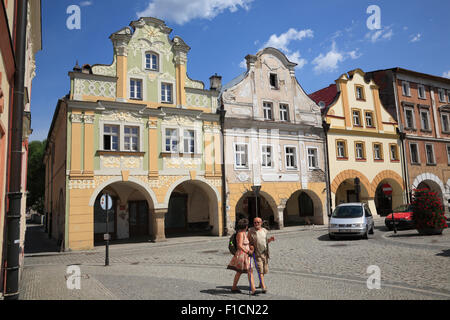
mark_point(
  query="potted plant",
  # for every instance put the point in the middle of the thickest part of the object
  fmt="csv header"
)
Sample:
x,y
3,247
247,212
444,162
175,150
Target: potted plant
x,y
428,212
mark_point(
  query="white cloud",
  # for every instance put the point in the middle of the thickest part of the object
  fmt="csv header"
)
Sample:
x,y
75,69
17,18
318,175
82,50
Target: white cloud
x,y
416,38
446,74
182,11
243,64
295,57
283,41
86,3
330,61
385,33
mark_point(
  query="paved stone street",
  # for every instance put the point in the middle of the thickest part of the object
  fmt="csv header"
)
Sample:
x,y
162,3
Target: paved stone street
x,y
305,264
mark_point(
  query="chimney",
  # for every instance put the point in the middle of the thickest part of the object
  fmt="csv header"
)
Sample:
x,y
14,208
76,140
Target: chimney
x,y
215,82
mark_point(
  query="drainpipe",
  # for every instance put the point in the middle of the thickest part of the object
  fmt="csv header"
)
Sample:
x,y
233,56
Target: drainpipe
x,y
222,113
14,190
326,127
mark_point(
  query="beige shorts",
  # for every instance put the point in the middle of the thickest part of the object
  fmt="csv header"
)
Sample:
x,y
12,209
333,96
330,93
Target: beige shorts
x,y
262,262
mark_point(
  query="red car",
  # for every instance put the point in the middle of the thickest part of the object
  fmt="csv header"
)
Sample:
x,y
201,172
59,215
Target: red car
x,y
402,218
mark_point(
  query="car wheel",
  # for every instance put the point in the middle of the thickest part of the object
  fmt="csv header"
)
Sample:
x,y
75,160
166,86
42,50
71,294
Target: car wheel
x,y
372,230
366,234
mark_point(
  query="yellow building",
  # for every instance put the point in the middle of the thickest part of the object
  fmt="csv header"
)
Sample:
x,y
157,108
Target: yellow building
x,y
362,143
143,132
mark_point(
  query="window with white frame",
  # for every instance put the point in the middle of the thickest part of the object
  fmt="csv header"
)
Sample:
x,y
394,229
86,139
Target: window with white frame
x,y
111,137
359,151
414,151
136,89
394,152
441,93
445,117
171,140
356,118
421,91
360,93
241,156
313,162
291,157
267,110
151,61
189,141
369,119
341,149
131,138
429,149
409,118
166,92
425,119
284,112
377,151
405,89
267,156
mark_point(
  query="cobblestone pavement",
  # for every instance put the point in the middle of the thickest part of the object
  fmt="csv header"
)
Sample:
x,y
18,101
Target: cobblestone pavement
x,y
304,264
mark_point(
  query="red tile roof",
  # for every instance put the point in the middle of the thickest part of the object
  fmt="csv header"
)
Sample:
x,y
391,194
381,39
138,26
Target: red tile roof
x,y
326,95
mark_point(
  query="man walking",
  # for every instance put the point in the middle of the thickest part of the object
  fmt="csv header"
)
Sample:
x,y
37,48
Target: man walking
x,y
258,237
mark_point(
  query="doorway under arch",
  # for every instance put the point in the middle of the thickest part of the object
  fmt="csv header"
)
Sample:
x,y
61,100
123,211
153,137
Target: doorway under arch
x,y
130,216
193,208
250,207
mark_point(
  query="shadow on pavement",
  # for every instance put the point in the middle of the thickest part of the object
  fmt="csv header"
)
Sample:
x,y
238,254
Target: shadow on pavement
x,y
444,253
37,241
226,291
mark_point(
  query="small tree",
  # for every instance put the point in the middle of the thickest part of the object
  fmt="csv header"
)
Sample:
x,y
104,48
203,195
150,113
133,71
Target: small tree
x,y
428,212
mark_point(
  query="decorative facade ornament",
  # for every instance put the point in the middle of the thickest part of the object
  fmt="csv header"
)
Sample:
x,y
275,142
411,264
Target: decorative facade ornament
x,y
76,118
120,116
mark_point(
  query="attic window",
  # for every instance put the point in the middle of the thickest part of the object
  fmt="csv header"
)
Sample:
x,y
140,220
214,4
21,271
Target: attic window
x,y
274,81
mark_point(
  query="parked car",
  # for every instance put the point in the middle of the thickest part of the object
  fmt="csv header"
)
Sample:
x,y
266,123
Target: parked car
x,y
351,219
402,218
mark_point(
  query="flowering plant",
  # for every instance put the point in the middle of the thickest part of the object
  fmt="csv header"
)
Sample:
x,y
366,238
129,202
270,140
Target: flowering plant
x,y
428,211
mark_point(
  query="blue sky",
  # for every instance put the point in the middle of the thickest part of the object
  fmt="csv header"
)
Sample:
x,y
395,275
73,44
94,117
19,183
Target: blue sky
x,y
325,37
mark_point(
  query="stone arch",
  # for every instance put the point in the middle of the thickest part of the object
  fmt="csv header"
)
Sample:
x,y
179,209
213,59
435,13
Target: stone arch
x,y
387,174
211,192
428,176
351,174
292,205
141,186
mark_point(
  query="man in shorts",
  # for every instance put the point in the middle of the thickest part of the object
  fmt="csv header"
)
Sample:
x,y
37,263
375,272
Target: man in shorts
x,y
258,237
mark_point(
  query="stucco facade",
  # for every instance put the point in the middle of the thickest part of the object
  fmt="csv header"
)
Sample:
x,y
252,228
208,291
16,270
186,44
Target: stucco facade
x,y
421,103
362,143
145,133
273,140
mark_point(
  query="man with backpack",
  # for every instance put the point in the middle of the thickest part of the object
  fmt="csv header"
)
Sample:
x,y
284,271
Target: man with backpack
x,y
258,237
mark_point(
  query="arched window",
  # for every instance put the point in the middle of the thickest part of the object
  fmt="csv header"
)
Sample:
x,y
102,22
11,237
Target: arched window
x,y
151,61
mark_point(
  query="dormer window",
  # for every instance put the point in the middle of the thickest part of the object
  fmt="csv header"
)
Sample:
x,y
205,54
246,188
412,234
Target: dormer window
x,y
273,81
151,61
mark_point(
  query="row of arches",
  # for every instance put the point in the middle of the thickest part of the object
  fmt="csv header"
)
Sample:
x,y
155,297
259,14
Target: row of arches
x,y
192,206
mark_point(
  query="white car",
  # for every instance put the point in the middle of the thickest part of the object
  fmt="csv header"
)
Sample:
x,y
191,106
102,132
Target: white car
x,y
351,219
